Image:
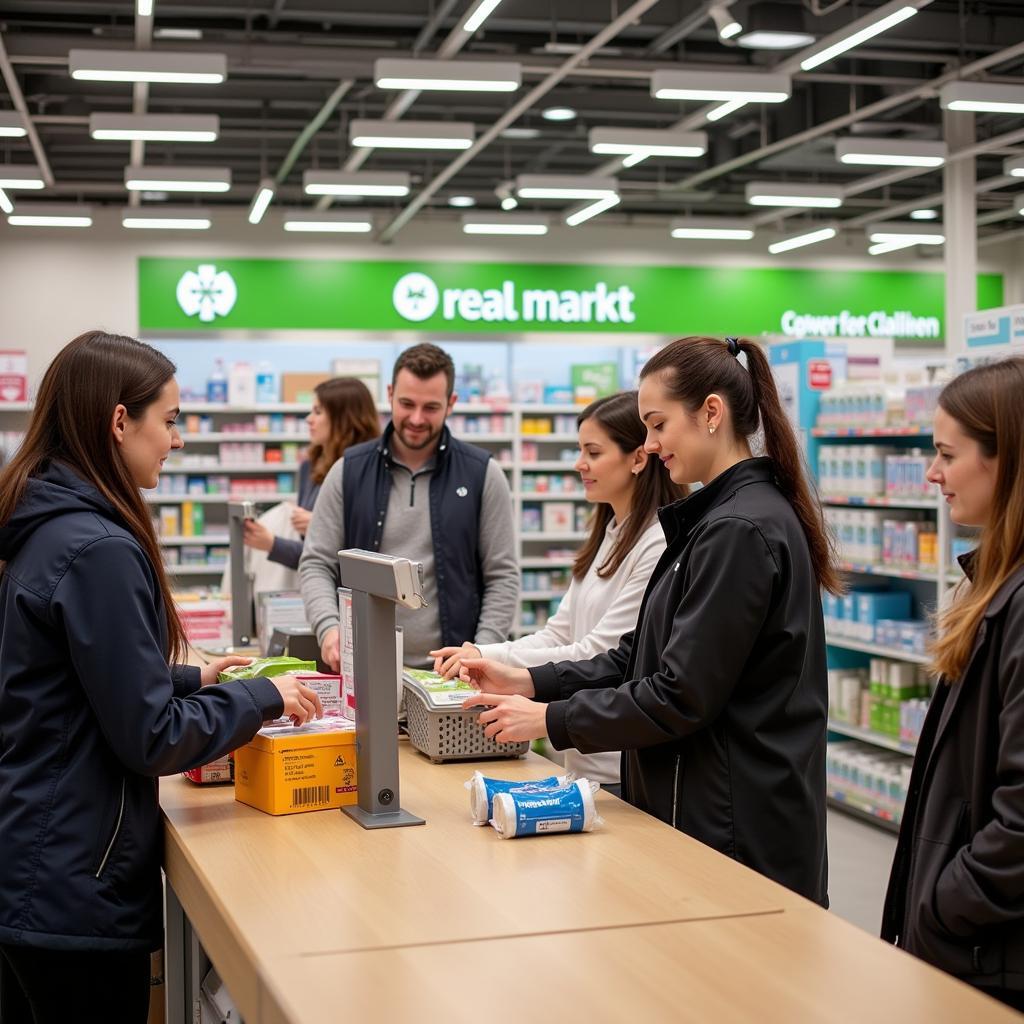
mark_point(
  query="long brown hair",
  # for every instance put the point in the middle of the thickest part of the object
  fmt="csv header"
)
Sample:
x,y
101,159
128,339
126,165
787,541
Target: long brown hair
x,y
70,424
619,417
353,417
988,404
694,368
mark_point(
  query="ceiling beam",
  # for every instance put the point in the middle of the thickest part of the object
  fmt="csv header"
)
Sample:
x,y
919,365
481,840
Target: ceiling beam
x,y
630,15
18,99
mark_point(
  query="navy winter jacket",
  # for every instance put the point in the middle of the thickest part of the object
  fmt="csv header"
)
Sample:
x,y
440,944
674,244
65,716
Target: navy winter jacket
x,y
90,715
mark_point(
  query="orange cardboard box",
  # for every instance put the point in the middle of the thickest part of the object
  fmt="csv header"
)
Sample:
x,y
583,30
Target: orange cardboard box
x,y
298,387
287,770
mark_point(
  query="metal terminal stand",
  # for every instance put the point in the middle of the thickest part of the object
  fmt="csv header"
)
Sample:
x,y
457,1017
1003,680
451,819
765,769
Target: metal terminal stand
x,y
243,626
378,582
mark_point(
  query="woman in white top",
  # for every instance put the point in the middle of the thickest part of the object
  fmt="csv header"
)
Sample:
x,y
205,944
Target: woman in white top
x,y
612,568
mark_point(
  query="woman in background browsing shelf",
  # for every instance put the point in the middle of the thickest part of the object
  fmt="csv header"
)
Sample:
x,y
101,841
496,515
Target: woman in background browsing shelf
x,y
343,414
94,704
611,570
956,893
719,696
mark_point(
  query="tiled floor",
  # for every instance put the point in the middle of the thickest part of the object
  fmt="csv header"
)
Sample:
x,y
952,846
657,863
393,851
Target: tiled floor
x,y
859,856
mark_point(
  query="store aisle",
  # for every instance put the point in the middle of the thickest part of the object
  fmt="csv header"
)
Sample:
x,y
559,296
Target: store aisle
x,y
860,856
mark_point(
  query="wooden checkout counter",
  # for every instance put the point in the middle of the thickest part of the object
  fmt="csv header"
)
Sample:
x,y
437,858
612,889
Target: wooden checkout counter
x,y
308,918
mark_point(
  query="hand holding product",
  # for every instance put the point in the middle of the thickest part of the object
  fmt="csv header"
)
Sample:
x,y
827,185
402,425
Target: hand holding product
x,y
301,704
210,673
256,535
494,677
300,520
448,660
510,718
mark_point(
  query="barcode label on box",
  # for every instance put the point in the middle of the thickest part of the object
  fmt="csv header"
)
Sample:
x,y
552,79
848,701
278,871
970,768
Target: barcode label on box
x,y
306,796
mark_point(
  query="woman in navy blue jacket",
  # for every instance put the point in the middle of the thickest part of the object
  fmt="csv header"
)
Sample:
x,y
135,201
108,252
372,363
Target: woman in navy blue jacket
x,y
93,703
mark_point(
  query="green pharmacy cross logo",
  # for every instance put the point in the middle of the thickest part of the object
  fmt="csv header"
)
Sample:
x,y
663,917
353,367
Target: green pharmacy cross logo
x,y
415,297
207,291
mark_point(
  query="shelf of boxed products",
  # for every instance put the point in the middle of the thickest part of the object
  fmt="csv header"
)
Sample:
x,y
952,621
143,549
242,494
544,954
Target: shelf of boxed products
x,y
576,495
550,465
202,538
890,571
867,781
929,504
849,644
205,408
238,435
261,497
228,467
856,432
552,562
876,739
212,569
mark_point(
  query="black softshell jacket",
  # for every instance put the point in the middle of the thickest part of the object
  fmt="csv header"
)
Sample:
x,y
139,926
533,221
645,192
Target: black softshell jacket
x,y
90,715
956,894
719,698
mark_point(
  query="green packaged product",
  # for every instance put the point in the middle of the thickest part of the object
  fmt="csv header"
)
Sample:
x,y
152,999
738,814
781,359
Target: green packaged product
x,y
266,667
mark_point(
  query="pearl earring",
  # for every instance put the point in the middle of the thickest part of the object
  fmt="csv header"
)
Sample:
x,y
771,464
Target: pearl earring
x,y
711,430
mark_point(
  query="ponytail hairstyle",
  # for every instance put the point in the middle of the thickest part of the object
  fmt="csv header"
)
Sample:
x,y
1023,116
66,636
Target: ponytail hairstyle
x,y
619,417
693,368
986,403
353,417
71,424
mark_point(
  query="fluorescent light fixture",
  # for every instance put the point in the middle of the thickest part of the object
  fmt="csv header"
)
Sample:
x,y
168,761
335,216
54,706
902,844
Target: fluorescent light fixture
x,y
892,237
726,24
804,238
147,66
890,153
725,110
447,75
494,224
411,134
768,40
144,8
21,176
879,21
565,186
558,114
461,202
177,179
12,125
658,142
982,97
769,25
155,127
51,215
355,183
707,228
724,86
520,133
5,202
328,221
262,199
924,214
166,218
584,213
504,193
775,193
1013,167
480,13
177,33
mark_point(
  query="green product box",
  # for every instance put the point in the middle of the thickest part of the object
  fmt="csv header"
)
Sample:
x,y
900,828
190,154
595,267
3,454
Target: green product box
x,y
198,519
594,380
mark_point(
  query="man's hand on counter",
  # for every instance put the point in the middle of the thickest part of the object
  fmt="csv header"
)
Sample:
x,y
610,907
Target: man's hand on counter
x,y
510,718
330,649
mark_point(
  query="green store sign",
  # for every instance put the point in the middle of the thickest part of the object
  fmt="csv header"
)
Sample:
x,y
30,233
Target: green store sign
x,y
265,294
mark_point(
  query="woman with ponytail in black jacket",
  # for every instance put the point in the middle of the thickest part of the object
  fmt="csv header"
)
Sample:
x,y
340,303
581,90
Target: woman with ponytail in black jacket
x,y
719,697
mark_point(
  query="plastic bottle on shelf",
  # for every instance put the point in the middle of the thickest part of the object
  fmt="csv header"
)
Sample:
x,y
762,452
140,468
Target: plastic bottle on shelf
x,y
217,384
242,384
266,384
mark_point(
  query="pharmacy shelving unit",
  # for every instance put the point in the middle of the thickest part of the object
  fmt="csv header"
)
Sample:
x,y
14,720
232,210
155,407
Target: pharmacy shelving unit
x,y
926,584
536,446
13,421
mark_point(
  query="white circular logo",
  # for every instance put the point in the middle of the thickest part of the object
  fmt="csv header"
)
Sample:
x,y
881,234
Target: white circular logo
x,y
415,297
207,291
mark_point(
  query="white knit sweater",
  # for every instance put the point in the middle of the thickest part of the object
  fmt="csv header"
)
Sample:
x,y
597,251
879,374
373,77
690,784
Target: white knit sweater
x,y
591,618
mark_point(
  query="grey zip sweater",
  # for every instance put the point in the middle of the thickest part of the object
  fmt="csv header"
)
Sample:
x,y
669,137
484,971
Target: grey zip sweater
x,y
407,532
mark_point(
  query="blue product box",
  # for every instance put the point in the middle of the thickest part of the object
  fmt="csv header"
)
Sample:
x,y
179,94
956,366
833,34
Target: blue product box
x,y
892,604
